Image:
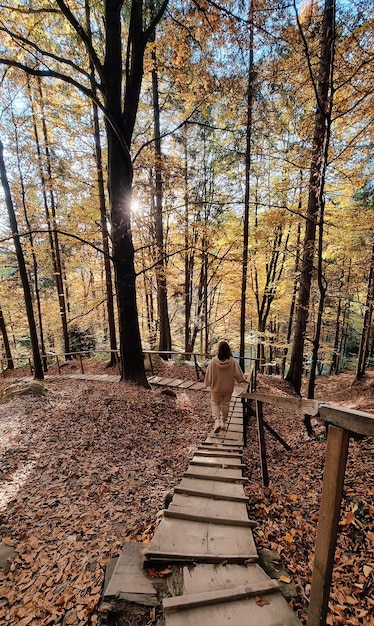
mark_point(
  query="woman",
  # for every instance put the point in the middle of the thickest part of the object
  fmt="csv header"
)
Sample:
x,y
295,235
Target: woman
x,y
221,374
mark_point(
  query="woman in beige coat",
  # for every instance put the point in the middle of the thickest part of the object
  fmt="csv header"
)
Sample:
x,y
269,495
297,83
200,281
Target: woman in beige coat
x,y
221,374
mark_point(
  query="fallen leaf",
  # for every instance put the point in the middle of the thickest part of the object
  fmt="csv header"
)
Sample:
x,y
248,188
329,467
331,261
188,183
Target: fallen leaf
x,y
284,578
158,573
348,519
367,570
262,601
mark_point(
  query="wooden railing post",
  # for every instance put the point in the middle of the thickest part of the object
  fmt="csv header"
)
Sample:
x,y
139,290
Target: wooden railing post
x,y
262,445
332,491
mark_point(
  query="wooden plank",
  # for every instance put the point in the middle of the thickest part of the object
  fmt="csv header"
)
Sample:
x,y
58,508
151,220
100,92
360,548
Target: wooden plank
x,y
213,473
215,461
239,613
332,491
234,428
165,381
226,439
198,385
223,446
221,451
356,421
208,598
220,509
196,517
222,454
211,489
300,405
185,540
156,379
175,382
129,580
187,384
206,577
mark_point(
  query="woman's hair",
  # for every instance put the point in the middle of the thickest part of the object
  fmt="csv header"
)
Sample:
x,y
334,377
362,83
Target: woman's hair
x,y
224,351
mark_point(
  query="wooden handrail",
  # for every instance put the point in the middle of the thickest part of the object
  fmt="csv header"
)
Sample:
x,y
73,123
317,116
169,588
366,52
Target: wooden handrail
x,y
343,422
299,405
357,422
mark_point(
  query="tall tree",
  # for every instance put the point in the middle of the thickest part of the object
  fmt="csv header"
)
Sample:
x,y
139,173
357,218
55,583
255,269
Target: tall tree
x,y
162,292
316,188
102,206
49,202
32,246
38,367
250,95
367,322
134,24
6,342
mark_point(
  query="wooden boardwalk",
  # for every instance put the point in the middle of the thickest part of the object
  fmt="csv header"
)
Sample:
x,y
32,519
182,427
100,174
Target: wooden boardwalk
x,y
203,545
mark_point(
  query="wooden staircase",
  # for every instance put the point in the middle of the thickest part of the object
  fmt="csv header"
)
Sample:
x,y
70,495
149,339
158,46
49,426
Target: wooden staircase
x,y
203,556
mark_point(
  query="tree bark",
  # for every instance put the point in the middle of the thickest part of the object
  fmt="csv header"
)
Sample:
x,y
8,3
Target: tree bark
x,y
120,124
250,92
103,214
38,366
316,185
162,294
33,255
293,301
366,327
8,352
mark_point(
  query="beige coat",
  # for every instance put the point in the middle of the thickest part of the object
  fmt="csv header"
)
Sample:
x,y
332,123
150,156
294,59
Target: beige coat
x,y
221,376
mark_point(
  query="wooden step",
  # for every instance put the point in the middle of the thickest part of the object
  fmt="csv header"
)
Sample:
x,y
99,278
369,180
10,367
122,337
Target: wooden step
x,y
208,598
211,489
216,473
183,540
186,514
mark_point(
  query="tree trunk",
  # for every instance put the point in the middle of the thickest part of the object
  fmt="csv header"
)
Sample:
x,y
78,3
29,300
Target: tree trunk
x,y
316,185
33,255
38,366
119,127
317,336
335,356
8,352
189,260
250,93
46,189
162,295
366,327
293,300
103,214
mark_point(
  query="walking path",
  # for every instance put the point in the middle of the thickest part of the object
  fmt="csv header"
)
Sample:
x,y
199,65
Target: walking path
x,y
202,560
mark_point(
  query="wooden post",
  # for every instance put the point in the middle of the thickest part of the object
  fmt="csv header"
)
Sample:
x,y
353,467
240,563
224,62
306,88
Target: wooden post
x,y
81,362
332,491
58,365
151,364
261,443
118,363
196,367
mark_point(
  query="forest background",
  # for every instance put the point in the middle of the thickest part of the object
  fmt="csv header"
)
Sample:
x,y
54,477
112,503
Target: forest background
x,y
219,178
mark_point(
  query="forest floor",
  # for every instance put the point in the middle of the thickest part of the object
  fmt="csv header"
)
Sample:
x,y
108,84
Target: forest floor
x,y
88,467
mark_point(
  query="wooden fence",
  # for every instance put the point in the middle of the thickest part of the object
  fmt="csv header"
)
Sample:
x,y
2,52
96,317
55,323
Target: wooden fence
x,y
51,357
342,424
